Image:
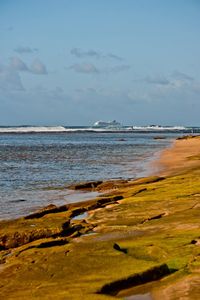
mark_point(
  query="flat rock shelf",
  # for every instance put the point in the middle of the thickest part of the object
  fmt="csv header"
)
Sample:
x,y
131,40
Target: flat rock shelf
x,y
138,240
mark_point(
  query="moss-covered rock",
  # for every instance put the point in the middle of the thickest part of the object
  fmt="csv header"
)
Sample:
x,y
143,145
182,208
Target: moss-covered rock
x,y
141,237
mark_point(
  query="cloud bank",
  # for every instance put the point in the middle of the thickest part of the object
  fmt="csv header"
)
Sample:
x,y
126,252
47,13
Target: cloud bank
x,y
174,79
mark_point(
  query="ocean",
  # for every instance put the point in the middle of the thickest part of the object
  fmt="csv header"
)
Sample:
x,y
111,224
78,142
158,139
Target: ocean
x,y
38,163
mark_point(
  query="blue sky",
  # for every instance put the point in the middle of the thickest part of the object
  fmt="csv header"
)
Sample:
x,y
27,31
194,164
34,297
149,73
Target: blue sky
x,y
74,62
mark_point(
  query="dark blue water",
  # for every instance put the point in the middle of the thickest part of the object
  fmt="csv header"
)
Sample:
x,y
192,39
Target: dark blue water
x,y
30,164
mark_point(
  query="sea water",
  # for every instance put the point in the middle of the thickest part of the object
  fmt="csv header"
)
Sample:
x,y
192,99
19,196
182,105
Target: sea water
x,y
35,168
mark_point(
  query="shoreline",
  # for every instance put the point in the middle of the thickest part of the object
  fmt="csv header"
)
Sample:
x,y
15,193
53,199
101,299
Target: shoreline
x,y
147,228
30,200
183,155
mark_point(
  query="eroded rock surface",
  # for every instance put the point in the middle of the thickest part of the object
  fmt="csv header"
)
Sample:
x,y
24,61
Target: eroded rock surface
x,y
142,237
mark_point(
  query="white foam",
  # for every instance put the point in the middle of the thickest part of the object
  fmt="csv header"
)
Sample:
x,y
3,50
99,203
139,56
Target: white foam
x,y
152,128
34,129
49,129
30,129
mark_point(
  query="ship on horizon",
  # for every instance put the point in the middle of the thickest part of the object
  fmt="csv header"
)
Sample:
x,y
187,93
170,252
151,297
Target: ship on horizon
x,y
109,124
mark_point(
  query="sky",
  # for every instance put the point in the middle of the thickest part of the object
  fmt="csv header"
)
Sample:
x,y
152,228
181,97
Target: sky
x,y
73,62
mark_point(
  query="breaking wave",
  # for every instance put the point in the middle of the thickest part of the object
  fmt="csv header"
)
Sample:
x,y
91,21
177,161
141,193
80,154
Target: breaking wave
x,y
32,129
62,129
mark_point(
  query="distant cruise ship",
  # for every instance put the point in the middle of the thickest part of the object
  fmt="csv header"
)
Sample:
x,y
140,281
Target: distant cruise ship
x,y
109,124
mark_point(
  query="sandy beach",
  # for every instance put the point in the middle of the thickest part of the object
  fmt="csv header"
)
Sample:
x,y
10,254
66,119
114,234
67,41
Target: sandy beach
x,y
139,240
184,154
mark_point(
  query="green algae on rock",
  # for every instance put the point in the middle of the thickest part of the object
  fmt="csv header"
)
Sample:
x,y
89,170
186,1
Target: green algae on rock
x,y
147,240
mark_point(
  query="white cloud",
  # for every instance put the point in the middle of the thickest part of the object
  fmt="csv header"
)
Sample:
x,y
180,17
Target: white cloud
x,y
81,54
87,90
10,80
160,80
17,64
113,56
181,76
24,49
164,88
93,54
119,68
175,80
89,68
86,68
37,67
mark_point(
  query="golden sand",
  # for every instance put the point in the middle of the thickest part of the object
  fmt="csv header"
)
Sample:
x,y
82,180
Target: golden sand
x,y
184,154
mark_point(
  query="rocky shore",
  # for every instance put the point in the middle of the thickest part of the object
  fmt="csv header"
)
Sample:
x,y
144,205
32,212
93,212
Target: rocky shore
x,y
138,238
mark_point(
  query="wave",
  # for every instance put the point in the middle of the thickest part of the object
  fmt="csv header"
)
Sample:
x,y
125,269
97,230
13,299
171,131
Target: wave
x,y
32,129
60,129
54,129
157,127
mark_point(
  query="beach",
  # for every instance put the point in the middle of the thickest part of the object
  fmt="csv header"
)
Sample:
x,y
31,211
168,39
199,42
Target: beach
x,y
182,155
140,239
